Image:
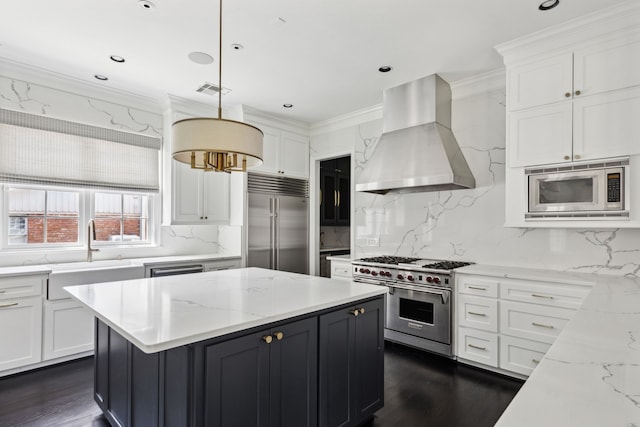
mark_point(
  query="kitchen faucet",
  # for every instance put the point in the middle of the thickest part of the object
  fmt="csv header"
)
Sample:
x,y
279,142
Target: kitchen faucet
x,y
91,234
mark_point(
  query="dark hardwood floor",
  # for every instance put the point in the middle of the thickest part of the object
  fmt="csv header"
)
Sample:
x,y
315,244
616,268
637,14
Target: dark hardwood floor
x,y
421,390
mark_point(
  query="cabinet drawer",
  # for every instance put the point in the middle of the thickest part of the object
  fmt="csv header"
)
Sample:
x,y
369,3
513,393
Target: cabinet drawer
x,y
478,312
521,356
21,286
530,321
478,346
477,285
551,294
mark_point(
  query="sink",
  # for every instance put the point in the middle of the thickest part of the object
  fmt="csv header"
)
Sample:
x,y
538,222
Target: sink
x,y
83,273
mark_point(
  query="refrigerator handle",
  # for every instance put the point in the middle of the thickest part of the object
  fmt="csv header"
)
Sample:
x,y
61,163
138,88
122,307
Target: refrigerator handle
x,y
276,233
272,230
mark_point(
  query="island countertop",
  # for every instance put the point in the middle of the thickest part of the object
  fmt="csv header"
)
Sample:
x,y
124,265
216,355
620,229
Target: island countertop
x,y
160,313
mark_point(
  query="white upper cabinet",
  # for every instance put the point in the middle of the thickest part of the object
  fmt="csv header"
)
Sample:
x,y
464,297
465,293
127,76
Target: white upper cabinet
x,y
577,105
284,153
199,197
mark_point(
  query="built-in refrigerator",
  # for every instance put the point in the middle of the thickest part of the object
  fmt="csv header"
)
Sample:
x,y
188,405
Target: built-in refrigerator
x,y
278,223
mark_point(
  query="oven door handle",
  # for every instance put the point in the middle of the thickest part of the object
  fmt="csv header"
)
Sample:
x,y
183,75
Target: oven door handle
x,y
370,281
443,294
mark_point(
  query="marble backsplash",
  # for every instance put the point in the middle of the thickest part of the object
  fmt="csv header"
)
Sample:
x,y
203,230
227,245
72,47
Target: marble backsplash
x,y
468,224
335,237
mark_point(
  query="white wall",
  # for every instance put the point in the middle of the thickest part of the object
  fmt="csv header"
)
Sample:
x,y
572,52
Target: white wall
x,y
468,224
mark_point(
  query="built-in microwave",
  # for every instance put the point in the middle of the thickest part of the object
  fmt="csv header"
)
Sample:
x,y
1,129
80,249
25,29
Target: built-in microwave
x,y
591,190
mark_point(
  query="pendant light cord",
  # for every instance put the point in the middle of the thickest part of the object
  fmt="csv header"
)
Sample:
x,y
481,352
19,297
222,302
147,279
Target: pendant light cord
x,y
220,65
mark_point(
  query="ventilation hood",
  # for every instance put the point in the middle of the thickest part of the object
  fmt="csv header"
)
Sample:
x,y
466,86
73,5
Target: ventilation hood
x,y
417,151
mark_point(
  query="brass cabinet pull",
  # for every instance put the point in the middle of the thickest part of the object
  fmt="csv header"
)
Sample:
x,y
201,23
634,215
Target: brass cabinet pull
x,y
267,339
542,325
362,310
567,157
536,361
355,312
577,156
8,305
541,296
477,347
335,198
477,314
567,95
278,335
578,92
338,199
477,288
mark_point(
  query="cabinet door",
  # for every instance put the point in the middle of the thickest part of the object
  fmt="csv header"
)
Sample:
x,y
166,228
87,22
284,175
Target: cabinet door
x,y
369,370
187,194
237,382
343,208
20,332
215,192
540,135
607,125
540,82
294,155
68,329
329,200
607,66
294,374
351,364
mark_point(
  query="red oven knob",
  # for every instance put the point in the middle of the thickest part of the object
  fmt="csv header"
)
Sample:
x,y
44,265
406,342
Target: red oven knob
x,y
410,278
382,273
367,271
429,279
388,274
361,270
400,277
436,280
374,274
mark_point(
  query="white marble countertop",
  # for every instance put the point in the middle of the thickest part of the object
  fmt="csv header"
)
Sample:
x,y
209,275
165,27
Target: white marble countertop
x,y
48,268
591,374
529,274
164,312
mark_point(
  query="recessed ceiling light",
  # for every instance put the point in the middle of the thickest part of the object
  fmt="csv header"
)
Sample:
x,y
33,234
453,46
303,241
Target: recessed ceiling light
x,y
237,46
101,77
116,58
146,4
287,105
384,69
548,4
201,58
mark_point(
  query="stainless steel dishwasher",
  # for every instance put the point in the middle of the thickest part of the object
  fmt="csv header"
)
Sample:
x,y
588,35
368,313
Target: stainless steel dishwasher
x,y
176,270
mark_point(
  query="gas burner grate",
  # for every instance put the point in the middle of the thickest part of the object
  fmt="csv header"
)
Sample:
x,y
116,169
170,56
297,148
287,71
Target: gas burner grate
x,y
389,259
446,265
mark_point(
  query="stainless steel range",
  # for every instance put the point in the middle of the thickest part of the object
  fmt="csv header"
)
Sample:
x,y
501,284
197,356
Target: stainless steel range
x,y
420,299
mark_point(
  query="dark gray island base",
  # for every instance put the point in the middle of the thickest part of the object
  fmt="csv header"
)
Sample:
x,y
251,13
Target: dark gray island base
x,y
324,368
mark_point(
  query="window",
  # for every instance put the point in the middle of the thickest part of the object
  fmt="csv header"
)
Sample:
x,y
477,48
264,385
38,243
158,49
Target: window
x,y
40,216
121,217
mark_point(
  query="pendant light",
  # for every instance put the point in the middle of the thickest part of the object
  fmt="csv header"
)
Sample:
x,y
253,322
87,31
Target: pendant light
x,y
217,144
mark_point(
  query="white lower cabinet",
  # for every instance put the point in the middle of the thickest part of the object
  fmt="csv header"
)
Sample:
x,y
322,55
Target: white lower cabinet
x,y
20,332
519,355
509,324
68,329
341,269
478,346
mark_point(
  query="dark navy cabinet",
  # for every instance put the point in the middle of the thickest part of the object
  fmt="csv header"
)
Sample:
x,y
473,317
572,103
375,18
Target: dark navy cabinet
x,y
325,368
351,364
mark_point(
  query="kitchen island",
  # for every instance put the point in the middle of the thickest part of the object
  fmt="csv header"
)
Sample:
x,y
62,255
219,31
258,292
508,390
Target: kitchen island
x,y
237,347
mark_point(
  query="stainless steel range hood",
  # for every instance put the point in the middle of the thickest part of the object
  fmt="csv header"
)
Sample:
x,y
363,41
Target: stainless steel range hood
x,y
417,151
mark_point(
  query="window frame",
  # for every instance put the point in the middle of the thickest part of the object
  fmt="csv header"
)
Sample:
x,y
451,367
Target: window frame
x,y
133,243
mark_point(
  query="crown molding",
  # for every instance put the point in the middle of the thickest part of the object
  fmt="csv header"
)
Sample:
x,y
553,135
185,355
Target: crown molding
x,y
347,120
480,83
38,76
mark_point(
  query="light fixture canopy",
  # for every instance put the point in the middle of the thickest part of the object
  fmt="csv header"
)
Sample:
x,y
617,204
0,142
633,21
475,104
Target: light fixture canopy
x,y
217,144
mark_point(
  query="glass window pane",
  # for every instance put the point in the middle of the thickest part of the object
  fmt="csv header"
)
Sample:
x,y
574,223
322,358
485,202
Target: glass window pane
x,y
62,229
17,231
108,229
108,204
26,201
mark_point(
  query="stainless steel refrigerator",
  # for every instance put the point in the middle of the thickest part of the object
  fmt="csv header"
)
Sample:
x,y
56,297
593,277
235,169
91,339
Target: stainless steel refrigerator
x,y
278,223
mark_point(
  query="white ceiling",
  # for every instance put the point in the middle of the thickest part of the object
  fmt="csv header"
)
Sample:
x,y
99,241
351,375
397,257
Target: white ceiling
x,y
323,59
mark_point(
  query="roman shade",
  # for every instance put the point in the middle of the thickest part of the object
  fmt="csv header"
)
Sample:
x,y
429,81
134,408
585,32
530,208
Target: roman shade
x,y
42,150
